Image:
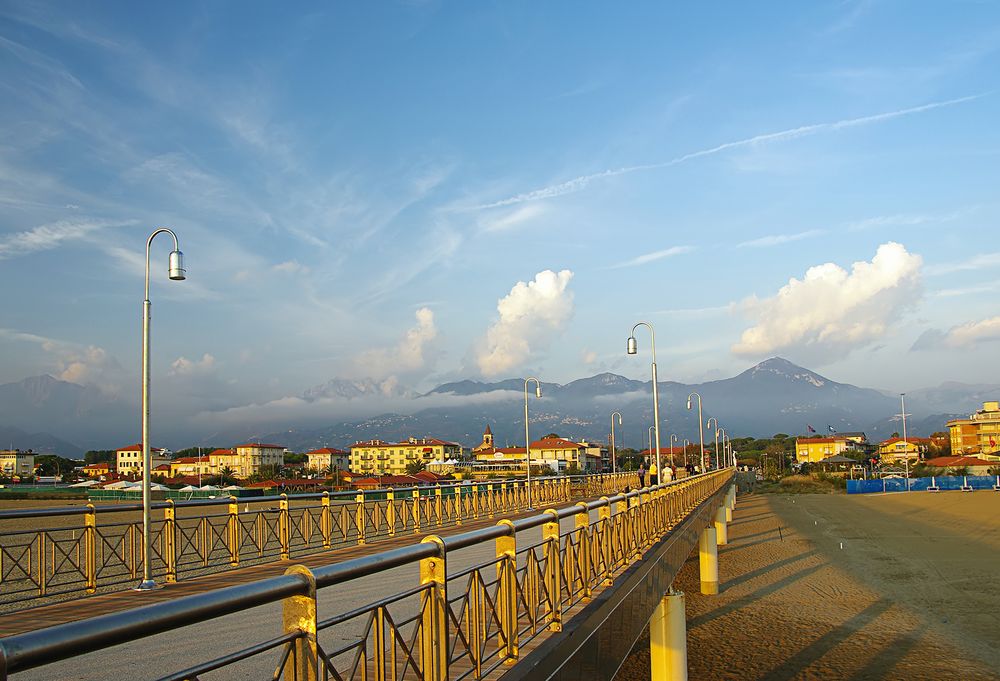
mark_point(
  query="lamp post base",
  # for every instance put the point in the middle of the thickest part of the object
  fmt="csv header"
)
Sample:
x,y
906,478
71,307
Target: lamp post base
x,y
146,585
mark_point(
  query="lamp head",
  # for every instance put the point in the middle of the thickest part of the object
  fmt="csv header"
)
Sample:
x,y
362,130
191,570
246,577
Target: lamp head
x,y
538,390
689,403
632,347
176,268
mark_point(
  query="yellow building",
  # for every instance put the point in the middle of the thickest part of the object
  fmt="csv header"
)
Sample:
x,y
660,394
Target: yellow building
x,y
979,434
128,460
192,465
388,458
246,460
328,459
813,449
16,462
895,449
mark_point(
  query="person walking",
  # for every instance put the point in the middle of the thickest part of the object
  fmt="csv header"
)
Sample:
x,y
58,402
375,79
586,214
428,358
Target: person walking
x,y
653,478
642,475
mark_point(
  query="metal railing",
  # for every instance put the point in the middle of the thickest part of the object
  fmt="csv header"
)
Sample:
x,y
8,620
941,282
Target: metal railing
x,y
463,624
93,547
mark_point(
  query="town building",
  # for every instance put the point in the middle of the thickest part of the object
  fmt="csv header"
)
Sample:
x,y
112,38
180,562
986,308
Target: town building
x,y
128,460
979,434
896,449
15,462
813,449
392,458
96,470
248,459
329,460
555,452
191,465
969,465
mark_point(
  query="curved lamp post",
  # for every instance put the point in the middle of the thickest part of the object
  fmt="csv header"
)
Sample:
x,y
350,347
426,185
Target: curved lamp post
x,y
701,432
649,449
527,440
614,459
687,443
673,439
723,431
632,350
175,271
708,424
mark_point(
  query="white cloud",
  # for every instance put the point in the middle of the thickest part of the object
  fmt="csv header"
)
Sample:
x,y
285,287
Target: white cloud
x,y
588,356
408,356
901,220
655,255
778,239
830,311
530,315
182,366
960,337
976,262
291,267
512,219
52,235
579,183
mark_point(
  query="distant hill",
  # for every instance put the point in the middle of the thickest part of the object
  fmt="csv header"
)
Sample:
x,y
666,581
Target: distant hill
x,y
41,443
775,396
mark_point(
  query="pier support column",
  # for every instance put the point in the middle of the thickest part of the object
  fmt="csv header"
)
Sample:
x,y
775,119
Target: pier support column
x,y
722,536
708,559
668,639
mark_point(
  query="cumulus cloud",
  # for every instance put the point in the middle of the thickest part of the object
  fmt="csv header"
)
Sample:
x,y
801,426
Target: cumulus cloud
x,y
961,336
530,315
408,356
830,311
182,366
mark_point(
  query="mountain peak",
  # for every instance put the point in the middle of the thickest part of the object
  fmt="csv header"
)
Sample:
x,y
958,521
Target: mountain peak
x,y
780,366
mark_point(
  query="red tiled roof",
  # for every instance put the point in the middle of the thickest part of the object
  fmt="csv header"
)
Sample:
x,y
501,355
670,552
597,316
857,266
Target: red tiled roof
x,y
162,467
192,459
914,440
132,448
417,442
258,444
222,452
819,440
327,450
555,443
957,462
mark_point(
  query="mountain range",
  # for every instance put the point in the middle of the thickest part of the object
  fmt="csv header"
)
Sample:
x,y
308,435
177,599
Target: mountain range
x,y
775,396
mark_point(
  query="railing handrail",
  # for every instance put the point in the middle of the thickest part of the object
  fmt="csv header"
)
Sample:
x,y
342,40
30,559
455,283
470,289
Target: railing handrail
x,y
31,649
52,511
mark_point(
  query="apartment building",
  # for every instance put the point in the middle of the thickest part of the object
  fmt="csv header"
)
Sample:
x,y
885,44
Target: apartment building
x,y
391,458
979,434
128,460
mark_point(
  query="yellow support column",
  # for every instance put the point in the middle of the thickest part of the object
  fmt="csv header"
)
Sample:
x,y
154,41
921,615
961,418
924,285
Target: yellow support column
x,y
708,559
90,550
583,550
506,549
232,532
722,537
438,511
170,541
326,520
390,511
359,517
668,639
300,617
284,532
416,511
553,568
434,618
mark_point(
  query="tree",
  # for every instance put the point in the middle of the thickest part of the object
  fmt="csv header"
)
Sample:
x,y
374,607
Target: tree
x,y
100,456
291,457
50,464
550,436
415,467
227,476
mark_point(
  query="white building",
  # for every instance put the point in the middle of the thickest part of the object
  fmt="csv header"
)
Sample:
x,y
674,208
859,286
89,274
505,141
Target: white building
x,y
16,462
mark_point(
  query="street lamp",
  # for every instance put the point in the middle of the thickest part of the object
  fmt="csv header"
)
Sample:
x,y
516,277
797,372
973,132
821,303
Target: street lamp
x,y
649,436
723,431
687,442
614,460
632,348
906,454
527,440
708,424
175,270
673,439
701,432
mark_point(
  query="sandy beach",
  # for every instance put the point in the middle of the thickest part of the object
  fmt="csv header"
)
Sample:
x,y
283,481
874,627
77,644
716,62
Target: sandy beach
x,y
911,595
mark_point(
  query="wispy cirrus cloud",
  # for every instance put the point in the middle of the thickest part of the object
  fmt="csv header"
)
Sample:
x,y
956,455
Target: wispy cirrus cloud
x,y
581,182
52,235
901,220
778,239
655,255
976,262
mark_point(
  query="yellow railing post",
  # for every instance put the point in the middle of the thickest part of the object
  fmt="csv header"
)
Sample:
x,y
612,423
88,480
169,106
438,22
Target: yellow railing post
x,y
90,549
170,541
458,504
284,533
605,532
326,520
583,551
433,615
299,616
359,517
506,551
390,511
233,532
438,510
490,500
553,568
416,511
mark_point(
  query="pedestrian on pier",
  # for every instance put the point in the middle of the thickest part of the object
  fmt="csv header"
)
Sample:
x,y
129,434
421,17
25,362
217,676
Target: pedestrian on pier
x,y
642,475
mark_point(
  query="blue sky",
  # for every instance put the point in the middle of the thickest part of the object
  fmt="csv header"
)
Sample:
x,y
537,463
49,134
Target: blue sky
x,y
420,192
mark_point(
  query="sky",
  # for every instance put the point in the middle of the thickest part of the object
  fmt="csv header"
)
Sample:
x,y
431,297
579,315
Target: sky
x,y
404,194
